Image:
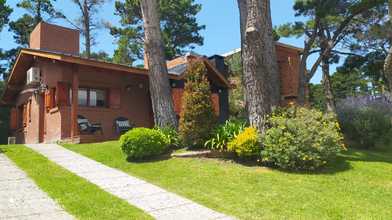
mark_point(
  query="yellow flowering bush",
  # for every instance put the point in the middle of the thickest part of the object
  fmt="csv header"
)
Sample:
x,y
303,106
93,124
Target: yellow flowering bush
x,y
301,139
246,144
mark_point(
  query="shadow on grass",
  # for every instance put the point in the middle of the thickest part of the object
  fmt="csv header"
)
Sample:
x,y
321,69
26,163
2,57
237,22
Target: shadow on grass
x,y
378,155
339,164
151,159
342,162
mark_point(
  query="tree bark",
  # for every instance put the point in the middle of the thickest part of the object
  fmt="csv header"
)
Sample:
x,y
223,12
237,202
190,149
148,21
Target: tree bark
x,y
243,8
162,103
261,79
87,29
270,54
303,77
388,60
302,80
329,96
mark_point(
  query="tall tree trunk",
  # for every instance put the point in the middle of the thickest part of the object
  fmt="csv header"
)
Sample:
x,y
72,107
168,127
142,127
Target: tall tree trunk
x,y
162,103
259,62
243,8
388,70
388,60
329,96
86,24
302,80
270,54
242,5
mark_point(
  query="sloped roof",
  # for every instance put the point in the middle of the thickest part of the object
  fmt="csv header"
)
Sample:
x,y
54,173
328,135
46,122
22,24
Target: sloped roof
x,y
278,44
26,57
179,69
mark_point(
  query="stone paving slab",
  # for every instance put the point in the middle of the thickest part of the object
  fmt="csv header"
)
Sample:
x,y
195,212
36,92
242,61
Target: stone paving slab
x,y
20,198
154,200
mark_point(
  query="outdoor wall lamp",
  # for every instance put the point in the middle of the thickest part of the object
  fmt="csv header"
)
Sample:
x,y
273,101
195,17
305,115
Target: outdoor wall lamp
x,y
128,88
41,89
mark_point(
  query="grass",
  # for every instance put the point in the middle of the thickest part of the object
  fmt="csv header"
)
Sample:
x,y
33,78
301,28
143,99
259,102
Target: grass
x,y
80,198
357,186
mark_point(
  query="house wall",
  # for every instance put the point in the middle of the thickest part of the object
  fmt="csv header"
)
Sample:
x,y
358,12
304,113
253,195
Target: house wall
x,y
222,93
288,62
56,122
27,133
135,100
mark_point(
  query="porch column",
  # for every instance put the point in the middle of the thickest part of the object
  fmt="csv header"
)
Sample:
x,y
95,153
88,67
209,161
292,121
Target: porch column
x,y
74,105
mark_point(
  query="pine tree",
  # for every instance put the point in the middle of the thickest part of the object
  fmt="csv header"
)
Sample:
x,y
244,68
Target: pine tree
x,y
178,23
87,22
197,116
162,102
260,68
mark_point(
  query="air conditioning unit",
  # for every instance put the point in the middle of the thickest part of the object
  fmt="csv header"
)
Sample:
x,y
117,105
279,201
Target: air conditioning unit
x,y
33,76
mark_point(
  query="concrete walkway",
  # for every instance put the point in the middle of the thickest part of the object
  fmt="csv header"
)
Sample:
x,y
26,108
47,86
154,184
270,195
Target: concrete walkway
x,y
20,198
153,200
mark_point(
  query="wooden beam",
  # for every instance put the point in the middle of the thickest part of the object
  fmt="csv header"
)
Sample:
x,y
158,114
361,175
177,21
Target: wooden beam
x,y
74,103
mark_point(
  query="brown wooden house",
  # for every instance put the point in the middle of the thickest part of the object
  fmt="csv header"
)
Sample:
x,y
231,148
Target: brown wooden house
x,y
51,85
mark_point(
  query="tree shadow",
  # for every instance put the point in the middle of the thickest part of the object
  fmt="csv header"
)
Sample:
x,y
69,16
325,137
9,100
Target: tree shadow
x,y
339,164
342,162
163,157
383,155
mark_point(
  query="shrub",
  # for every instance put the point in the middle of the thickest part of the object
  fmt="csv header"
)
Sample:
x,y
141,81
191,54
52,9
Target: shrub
x,y
197,115
301,139
224,134
171,135
366,121
246,144
142,143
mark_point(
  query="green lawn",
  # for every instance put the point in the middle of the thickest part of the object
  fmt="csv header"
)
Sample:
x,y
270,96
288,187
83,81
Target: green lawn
x,y
80,198
357,186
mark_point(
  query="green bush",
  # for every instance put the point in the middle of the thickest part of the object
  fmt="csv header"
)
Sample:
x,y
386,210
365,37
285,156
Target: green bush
x,y
142,143
301,139
246,144
224,134
366,125
171,135
197,116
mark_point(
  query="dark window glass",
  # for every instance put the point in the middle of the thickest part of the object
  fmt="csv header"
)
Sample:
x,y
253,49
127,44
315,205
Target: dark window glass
x,y
97,98
92,97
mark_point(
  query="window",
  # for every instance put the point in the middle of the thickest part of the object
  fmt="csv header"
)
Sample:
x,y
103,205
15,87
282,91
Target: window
x,y
82,97
92,97
97,98
50,98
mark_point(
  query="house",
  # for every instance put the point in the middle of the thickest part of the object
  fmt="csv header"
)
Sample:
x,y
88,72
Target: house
x,y
288,58
51,86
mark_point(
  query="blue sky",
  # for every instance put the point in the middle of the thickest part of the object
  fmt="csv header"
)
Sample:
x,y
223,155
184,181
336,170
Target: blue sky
x,y
221,18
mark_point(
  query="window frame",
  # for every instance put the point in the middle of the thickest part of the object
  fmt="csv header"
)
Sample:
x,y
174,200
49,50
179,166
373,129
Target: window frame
x,y
88,90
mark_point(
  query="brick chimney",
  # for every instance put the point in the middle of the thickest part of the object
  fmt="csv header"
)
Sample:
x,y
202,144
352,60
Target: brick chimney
x,y
55,38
